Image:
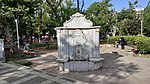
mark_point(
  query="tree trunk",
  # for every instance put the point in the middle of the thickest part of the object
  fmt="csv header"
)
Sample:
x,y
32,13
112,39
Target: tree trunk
x,y
114,31
78,6
82,5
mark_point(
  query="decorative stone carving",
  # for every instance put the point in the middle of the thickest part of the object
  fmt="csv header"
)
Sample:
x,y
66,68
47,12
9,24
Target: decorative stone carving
x,y
80,21
79,54
78,45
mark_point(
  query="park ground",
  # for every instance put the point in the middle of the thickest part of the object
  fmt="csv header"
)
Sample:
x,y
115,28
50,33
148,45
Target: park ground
x,y
119,67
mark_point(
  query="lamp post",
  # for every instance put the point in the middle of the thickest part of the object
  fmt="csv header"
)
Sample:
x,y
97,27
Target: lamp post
x,y
140,14
141,26
15,13
141,18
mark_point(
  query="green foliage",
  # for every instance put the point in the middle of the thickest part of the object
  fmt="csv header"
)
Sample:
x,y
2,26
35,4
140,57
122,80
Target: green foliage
x,y
100,14
131,40
34,16
17,58
59,12
50,46
113,39
24,63
128,23
37,45
146,21
125,22
142,42
26,12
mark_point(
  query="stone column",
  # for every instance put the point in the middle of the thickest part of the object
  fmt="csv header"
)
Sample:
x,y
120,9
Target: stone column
x,y
96,42
2,53
62,45
59,43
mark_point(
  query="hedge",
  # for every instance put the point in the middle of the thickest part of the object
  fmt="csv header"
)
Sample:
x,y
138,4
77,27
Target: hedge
x,y
141,42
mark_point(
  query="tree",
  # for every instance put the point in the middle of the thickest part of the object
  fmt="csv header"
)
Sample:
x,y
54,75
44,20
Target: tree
x,y
6,19
58,11
78,5
128,20
100,14
26,11
147,20
128,23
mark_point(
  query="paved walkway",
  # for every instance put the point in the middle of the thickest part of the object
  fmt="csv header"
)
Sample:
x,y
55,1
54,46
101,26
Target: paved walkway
x,y
12,74
119,67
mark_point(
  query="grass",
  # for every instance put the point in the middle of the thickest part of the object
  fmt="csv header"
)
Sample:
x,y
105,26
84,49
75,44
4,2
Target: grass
x,y
18,59
103,41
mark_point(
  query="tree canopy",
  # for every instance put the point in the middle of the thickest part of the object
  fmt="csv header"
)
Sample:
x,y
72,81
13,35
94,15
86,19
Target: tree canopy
x,y
37,17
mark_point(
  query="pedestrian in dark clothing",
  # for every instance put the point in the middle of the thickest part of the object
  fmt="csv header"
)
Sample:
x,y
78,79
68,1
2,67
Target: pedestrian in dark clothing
x,y
122,42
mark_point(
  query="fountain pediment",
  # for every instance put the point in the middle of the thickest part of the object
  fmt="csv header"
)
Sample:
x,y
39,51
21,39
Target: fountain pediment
x,y
78,20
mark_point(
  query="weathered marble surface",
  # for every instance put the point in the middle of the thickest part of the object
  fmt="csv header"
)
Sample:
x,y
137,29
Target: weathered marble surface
x,y
1,49
78,44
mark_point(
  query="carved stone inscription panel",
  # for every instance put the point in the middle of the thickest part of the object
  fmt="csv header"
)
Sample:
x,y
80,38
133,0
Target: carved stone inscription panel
x,y
79,42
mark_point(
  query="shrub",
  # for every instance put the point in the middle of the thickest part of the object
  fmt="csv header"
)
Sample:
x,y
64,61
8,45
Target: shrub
x,y
113,39
37,45
24,63
18,59
130,40
51,46
142,43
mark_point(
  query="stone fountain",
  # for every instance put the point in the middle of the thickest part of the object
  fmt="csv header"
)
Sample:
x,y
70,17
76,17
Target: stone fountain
x,y
78,45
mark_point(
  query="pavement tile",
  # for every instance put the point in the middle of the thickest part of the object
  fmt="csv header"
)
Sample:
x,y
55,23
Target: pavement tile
x,y
10,71
5,68
51,75
36,80
13,79
54,82
24,79
46,82
68,79
37,71
1,65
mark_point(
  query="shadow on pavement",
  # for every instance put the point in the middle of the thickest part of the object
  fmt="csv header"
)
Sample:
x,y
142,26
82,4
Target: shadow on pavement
x,y
113,68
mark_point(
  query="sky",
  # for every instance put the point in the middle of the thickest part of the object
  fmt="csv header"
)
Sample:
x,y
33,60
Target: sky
x,y
118,4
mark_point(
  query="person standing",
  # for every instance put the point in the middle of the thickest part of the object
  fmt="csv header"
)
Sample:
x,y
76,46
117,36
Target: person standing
x,y
122,42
